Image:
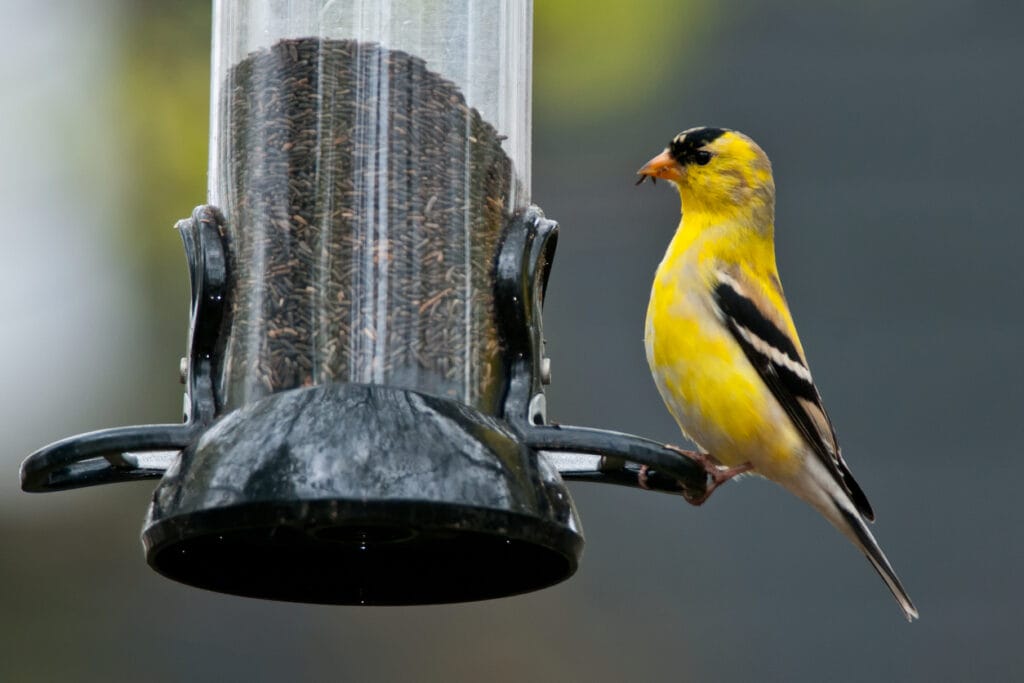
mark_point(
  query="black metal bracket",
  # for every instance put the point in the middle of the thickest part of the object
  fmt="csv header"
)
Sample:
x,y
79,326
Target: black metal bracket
x,y
144,452
579,453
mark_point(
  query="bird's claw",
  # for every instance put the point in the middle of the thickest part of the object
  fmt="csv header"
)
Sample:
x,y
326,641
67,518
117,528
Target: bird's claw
x,y
717,473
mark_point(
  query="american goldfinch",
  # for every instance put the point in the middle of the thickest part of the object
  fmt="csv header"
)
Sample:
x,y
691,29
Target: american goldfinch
x,y
721,342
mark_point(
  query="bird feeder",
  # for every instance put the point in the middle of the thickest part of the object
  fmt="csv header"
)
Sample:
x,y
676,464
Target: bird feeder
x,y
364,412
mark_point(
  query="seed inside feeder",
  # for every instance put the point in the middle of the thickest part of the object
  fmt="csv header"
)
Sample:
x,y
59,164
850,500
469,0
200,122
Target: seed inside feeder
x,y
365,205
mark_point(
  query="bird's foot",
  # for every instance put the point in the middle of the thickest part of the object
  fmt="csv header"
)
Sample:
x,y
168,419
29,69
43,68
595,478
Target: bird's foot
x,y
717,473
641,477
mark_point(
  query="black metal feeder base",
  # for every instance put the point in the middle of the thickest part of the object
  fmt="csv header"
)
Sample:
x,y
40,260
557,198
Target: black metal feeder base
x,y
357,494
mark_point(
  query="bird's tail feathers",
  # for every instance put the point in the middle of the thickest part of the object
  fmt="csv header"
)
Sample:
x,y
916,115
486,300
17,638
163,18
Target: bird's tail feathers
x,y
848,521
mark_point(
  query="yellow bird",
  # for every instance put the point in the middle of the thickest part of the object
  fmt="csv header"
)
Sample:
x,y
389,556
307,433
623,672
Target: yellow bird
x,y
722,346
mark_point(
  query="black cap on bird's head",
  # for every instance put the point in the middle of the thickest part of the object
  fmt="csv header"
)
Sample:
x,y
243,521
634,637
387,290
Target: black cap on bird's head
x,y
685,149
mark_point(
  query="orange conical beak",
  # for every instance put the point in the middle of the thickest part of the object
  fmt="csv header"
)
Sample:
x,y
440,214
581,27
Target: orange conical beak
x,y
661,166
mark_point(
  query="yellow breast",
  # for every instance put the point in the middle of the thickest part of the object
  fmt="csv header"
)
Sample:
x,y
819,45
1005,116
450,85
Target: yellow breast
x,y
706,381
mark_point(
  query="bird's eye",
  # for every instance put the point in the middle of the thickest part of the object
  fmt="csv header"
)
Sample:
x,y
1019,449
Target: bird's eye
x,y
702,157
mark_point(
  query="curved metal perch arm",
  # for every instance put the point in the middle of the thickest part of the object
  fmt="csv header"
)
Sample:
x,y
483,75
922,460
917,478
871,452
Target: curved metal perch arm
x,y
107,456
604,457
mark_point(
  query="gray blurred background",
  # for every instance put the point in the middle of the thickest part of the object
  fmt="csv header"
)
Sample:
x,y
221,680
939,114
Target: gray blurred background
x,y
894,128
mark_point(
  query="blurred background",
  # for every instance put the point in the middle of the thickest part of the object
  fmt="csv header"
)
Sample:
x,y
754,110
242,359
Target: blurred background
x,y
894,129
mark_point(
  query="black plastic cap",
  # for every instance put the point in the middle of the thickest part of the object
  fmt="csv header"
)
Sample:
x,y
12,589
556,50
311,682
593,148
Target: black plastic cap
x,y
356,494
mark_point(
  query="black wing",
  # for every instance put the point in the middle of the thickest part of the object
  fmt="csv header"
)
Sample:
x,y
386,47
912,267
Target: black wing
x,y
775,357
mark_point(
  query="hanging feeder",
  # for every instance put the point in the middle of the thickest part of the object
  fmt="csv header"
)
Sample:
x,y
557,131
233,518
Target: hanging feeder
x,y
364,411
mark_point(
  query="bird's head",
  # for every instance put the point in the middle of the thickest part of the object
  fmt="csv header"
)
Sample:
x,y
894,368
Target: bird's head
x,y
715,170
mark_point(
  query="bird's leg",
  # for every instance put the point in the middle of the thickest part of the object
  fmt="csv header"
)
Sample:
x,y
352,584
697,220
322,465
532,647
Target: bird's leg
x,y
718,474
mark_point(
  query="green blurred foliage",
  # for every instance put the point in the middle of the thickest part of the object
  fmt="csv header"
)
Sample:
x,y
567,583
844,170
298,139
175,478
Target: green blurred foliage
x,y
595,58
162,92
